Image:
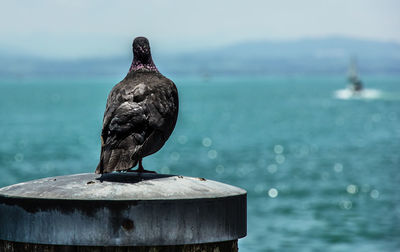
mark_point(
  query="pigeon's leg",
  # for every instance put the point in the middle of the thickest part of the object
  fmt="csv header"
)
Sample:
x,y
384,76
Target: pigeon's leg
x,y
141,169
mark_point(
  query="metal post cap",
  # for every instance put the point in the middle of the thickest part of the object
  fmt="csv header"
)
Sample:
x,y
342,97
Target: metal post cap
x,y
122,209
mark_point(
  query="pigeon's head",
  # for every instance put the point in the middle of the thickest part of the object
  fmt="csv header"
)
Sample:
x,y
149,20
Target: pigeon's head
x,y
141,49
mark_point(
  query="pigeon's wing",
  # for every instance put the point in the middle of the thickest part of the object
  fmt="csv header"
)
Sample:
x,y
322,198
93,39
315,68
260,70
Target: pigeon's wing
x,y
162,107
145,109
119,102
113,102
126,125
124,128
136,124
130,118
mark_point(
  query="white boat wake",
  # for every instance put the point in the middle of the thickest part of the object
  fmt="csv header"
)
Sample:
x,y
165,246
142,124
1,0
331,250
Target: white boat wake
x,y
367,94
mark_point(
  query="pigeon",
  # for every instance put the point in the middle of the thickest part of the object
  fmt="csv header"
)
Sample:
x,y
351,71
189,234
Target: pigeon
x,y
140,115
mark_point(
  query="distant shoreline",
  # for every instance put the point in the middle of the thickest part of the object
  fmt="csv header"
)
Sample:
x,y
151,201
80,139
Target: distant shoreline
x,y
308,56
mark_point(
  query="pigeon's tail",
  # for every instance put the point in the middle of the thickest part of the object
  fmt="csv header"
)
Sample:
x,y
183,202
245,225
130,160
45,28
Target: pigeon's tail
x,y
115,159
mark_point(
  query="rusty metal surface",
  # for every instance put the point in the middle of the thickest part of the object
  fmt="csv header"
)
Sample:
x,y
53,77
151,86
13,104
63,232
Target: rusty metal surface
x,y
122,210
227,246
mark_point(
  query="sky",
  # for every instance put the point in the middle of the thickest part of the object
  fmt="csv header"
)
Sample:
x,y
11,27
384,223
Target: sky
x,y
81,29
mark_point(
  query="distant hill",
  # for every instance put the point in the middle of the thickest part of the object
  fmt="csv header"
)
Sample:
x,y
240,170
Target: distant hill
x,y
307,56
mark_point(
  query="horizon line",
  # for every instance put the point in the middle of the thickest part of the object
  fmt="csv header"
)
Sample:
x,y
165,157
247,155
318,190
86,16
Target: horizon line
x,y
5,49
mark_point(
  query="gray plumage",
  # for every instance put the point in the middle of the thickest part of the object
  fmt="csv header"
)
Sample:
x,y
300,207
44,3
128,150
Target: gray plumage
x,y
140,115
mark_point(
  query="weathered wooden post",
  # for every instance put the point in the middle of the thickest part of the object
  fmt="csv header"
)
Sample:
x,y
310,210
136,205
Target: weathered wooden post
x,y
121,212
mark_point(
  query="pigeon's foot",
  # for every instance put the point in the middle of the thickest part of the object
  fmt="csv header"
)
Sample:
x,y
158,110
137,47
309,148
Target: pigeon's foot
x,y
141,169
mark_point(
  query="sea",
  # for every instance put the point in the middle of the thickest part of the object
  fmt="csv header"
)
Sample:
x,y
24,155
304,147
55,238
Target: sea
x,y
321,166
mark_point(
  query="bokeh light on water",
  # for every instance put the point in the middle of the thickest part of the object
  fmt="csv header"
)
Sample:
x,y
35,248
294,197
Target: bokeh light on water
x,y
322,174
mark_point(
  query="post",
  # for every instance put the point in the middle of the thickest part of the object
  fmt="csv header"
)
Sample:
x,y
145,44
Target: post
x,y
121,212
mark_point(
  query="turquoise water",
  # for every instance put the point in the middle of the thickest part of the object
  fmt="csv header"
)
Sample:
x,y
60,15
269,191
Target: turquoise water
x,y
321,169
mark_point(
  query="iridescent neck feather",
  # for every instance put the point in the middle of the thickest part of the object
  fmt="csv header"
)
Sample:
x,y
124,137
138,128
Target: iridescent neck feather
x,y
137,65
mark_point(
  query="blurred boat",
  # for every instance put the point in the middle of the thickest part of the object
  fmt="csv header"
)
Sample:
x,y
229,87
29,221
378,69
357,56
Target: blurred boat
x,y
355,88
355,84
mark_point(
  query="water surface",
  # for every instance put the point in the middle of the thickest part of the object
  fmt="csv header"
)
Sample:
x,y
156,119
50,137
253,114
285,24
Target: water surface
x,y
322,172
